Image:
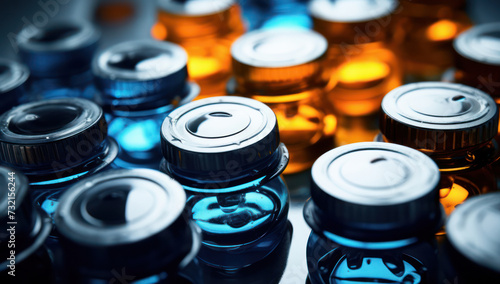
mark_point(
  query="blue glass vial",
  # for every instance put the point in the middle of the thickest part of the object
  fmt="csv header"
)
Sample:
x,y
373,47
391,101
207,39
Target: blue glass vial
x,y
265,14
226,153
13,78
59,57
23,231
55,143
126,225
473,242
139,83
373,211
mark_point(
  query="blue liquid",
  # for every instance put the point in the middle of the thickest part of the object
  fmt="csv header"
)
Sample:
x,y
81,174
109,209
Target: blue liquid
x,y
331,263
276,14
138,137
240,228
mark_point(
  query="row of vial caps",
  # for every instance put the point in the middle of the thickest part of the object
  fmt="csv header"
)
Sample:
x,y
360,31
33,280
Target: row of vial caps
x,y
85,149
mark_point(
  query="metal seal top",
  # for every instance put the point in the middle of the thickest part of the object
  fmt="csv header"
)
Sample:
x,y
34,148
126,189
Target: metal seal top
x,y
480,44
473,230
438,116
374,192
58,49
194,7
348,11
207,134
142,74
119,214
39,134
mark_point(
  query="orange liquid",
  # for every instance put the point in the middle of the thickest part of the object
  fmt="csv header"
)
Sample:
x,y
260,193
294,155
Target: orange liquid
x,y
363,75
423,37
207,40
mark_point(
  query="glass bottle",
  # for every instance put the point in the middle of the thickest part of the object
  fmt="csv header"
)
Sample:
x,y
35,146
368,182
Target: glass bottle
x,y
126,225
205,29
455,125
373,211
472,240
265,14
286,70
13,79
226,153
55,143
25,259
139,83
364,68
423,33
59,57
477,59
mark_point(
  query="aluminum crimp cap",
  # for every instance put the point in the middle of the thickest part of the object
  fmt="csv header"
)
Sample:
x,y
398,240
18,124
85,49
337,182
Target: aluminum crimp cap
x,y
210,134
58,49
62,131
438,116
143,74
194,7
374,192
129,218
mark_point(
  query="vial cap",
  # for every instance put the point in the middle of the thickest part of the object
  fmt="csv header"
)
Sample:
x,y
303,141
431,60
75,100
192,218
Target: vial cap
x,y
32,226
438,116
44,133
283,56
347,11
58,49
473,230
374,192
479,48
13,77
129,218
142,74
209,134
194,7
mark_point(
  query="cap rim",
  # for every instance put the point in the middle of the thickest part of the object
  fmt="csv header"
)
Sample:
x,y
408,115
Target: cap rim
x,y
184,7
463,44
22,75
322,9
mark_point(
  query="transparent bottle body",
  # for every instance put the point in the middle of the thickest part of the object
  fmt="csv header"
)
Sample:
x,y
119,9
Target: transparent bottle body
x,y
241,221
207,40
329,262
306,121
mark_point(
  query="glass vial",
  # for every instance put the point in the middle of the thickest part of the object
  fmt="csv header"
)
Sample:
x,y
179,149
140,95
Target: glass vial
x,y
286,70
59,56
128,223
472,239
24,229
139,83
423,34
13,83
373,211
226,153
205,29
55,143
477,59
364,68
455,125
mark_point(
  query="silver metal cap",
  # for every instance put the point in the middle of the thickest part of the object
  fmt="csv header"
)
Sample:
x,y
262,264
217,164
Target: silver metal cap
x,y
143,74
210,134
130,218
480,44
194,7
13,77
347,11
438,116
474,229
374,192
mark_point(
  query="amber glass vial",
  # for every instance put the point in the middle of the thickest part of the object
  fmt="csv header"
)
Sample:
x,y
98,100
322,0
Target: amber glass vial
x,y
285,69
477,59
455,125
205,29
424,33
365,69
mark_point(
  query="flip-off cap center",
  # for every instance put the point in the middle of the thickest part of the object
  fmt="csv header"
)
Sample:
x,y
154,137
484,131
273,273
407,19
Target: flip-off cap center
x,y
218,124
44,119
54,34
143,60
440,104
